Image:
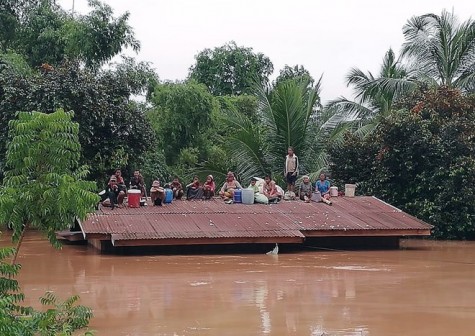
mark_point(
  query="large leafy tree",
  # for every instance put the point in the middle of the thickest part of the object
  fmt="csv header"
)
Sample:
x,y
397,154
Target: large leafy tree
x,y
297,71
442,48
44,33
44,186
113,128
230,69
182,119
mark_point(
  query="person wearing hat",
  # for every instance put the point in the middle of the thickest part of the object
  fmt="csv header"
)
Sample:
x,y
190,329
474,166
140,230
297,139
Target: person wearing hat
x,y
114,193
305,189
157,193
209,187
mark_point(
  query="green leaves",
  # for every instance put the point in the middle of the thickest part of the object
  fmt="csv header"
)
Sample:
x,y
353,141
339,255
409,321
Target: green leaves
x,y
43,185
182,117
231,70
420,159
442,48
60,318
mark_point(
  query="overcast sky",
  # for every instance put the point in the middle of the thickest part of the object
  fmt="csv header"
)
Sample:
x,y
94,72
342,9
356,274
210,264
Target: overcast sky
x,y
326,37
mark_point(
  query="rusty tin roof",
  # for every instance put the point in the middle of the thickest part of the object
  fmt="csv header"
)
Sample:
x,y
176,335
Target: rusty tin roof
x,y
215,219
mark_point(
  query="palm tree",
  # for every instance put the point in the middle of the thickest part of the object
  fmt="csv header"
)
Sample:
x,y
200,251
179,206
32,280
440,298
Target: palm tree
x,y
374,95
290,115
443,50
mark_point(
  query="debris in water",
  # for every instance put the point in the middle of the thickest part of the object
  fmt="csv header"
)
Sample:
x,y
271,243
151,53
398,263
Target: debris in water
x,y
275,250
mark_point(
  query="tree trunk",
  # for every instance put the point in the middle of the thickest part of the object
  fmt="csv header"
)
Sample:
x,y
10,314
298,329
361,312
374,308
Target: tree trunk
x,y
18,244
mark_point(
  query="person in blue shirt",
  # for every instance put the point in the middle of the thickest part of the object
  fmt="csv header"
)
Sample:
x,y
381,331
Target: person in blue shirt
x,y
323,186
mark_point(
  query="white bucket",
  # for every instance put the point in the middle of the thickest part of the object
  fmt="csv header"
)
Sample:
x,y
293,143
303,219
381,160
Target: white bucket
x,y
247,196
350,190
334,191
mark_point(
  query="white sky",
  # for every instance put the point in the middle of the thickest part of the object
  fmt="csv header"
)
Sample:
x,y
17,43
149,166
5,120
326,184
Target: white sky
x,y
326,37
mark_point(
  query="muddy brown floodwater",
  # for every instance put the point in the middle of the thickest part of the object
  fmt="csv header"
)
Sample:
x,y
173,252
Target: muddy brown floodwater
x,y
425,288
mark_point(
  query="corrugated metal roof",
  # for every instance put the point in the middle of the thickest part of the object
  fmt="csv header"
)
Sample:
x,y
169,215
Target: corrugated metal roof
x,y
214,219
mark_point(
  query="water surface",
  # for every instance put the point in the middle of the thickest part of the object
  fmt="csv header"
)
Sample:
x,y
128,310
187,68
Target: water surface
x,y
425,288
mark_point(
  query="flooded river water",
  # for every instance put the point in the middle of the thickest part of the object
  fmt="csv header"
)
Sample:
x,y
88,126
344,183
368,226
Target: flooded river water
x,y
425,288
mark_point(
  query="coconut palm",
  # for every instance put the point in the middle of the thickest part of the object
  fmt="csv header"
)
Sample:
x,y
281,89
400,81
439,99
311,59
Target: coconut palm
x,y
374,95
443,50
290,115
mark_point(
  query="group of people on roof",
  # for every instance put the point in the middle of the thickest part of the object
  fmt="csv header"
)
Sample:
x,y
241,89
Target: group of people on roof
x,y
265,190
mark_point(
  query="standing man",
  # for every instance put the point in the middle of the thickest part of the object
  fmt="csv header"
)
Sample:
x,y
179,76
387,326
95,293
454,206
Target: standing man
x,y
291,169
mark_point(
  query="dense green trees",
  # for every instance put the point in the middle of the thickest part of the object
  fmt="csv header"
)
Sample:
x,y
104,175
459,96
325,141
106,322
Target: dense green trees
x,y
230,69
44,33
183,120
297,71
110,122
229,115
418,150
420,159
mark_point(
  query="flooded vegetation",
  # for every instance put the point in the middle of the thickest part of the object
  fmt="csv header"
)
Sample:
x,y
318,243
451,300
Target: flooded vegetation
x,y
424,288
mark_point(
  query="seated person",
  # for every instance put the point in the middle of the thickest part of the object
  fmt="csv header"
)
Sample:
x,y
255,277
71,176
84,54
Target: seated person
x,y
323,185
114,193
177,188
305,189
209,187
254,186
137,182
194,189
157,193
227,190
258,196
270,190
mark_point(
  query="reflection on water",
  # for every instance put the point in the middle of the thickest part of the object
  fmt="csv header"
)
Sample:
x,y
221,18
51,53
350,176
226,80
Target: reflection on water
x,y
426,288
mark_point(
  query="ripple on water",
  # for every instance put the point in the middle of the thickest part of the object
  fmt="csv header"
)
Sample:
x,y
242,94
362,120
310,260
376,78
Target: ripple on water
x,y
199,283
358,268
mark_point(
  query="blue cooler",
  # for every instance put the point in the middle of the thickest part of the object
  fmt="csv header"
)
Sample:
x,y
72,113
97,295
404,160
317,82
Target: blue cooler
x,y
168,195
237,196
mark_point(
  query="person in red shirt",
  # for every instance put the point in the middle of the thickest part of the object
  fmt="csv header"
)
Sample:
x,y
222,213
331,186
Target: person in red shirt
x,y
121,187
209,187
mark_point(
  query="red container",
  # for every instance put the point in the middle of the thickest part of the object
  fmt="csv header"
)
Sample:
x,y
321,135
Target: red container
x,y
133,198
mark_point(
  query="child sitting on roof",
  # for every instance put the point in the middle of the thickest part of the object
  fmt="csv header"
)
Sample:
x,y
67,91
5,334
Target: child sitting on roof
x,y
305,189
177,188
270,190
258,196
209,187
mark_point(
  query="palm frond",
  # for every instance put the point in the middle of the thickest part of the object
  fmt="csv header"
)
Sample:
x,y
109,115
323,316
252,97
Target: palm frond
x,y
346,110
443,49
245,145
